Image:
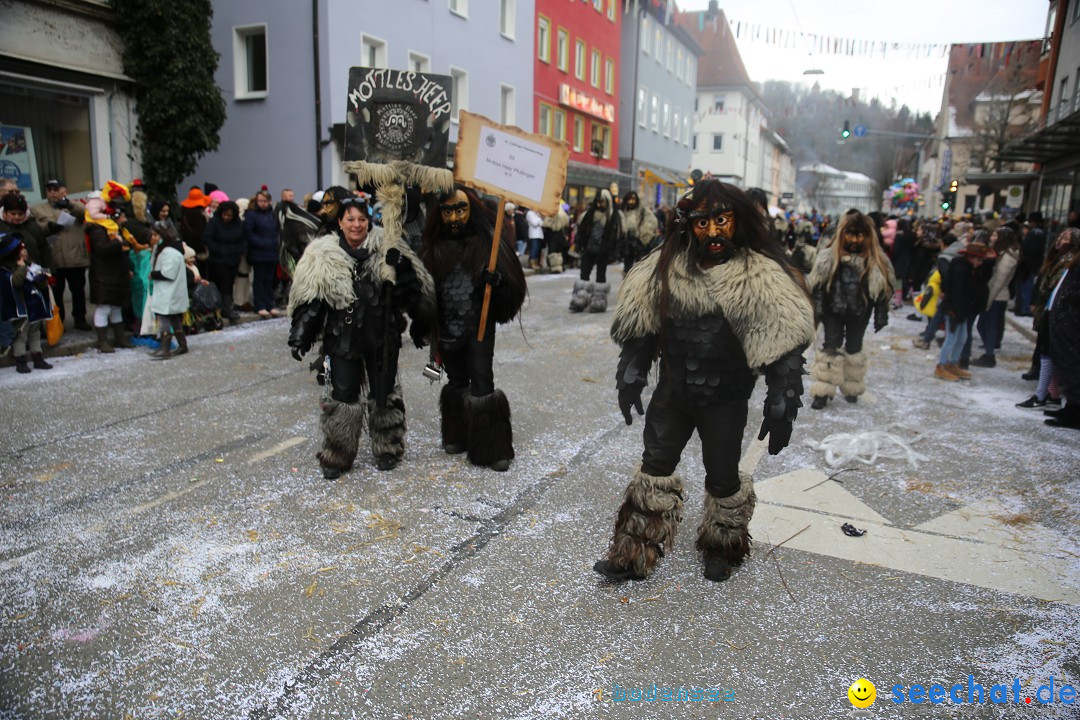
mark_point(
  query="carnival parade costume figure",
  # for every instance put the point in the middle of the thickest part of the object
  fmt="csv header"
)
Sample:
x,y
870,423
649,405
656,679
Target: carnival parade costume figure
x,y
597,237
353,288
639,228
718,305
851,280
456,251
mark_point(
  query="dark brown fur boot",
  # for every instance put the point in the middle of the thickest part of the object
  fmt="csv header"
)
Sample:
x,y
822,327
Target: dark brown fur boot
x,y
386,426
490,436
645,526
724,535
341,425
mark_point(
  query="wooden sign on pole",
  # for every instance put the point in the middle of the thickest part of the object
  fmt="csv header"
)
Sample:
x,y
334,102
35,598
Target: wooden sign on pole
x,y
513,165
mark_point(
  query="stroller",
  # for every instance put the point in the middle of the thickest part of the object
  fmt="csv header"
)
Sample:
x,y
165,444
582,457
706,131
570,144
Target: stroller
x,y
204,312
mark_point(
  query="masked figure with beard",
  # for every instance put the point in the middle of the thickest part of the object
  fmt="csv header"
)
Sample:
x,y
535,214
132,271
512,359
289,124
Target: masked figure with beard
x,y
639,230
353,288
456,250
597,237
718,305
850,280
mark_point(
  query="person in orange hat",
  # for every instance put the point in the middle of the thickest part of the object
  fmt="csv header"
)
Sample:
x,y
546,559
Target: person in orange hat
x,y
193,223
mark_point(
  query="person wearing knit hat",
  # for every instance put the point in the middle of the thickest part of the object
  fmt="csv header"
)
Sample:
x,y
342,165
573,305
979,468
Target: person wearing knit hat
x,y
216,197
23,301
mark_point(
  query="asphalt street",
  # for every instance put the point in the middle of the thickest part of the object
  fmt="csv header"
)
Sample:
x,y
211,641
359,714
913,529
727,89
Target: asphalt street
x,y
169,548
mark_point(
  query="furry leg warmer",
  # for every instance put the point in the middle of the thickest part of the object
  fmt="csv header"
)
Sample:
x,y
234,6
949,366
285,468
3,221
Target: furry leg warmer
x,y
582,295
724,535
341,425
387,425
826,373
490,436
555,262
854,383
598,302
452,411
645,526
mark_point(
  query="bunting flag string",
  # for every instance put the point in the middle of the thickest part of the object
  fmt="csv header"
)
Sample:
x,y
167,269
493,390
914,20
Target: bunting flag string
x,y
831,45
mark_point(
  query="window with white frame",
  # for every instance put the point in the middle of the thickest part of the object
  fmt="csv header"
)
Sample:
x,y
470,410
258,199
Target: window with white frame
x,y
507,10
599,5
562,50
543,120
594,69
603,134
679,62
609,76
507,98
642,106
579,60
667,119
658,48
543,39
611,10
251,71
718,103
460,7
418,62
558,129
372,51
460,97
670,55
579,133
645,35
676,124
654,113
685,130
718,142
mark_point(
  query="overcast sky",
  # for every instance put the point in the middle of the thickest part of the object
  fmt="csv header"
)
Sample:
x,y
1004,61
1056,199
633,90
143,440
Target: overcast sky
x,y
911,80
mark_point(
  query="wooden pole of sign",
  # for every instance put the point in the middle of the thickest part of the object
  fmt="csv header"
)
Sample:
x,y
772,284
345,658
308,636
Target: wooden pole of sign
x,y
495,241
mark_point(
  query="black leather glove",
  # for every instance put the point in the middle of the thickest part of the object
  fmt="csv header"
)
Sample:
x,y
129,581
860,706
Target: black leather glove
x,y
493,278
783,398
53,228
393,257
418,332
630,397
297,354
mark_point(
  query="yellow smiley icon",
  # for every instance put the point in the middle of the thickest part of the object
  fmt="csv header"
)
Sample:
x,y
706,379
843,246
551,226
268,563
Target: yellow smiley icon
x,y
862,693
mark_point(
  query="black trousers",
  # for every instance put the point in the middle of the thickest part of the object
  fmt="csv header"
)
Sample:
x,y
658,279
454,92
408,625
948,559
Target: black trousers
x,y
669,423
224,276
599,261
469,367
846,330
346,379
75,277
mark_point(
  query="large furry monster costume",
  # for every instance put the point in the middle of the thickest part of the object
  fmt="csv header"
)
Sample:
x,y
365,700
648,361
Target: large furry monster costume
x,y
851,279
355,298
640,230
597,237
718,305
456,251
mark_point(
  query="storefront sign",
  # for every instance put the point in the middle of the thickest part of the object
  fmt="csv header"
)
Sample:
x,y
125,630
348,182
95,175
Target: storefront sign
x,y
586,103
17,160
397,115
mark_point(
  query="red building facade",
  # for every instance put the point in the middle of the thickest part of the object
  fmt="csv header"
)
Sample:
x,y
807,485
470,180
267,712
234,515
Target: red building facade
x,y
576,86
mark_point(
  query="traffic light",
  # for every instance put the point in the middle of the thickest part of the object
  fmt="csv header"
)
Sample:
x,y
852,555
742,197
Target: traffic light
x,y
954,186
846,132
948,199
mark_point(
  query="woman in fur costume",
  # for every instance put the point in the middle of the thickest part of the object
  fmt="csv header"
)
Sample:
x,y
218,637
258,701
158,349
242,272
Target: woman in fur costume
x,y
456,251
719,304
598,235
852,279
640,230
353,288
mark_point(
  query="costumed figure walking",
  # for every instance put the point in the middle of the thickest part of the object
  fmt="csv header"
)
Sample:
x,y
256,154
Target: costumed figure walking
x,y
556,228
597,237
640,233
851,280
719,304
456,250
352,288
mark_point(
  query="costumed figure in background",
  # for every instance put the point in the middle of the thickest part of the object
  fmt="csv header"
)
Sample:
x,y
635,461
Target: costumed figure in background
x,y
110,274
719,304
457,248
555,229
639,226
596,239
353,288
852,279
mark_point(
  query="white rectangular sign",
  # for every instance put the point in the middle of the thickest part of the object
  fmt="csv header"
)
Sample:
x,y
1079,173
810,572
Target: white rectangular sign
x,y
512,163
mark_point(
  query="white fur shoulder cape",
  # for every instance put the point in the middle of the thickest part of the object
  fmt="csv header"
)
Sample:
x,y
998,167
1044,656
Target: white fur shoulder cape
x,y
877,285
325,272
768,310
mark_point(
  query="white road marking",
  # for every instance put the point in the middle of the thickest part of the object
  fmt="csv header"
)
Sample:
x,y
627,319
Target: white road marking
x,y
966,546
280,447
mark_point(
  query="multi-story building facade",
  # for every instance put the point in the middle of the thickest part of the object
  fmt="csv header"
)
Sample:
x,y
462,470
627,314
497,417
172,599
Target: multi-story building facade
x,y
832,192
731,139
659,78
284,71
575,64
1054,141
67,108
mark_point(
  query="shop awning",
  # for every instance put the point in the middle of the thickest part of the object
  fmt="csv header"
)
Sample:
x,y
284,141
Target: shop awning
x,y
663,177
1054,142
